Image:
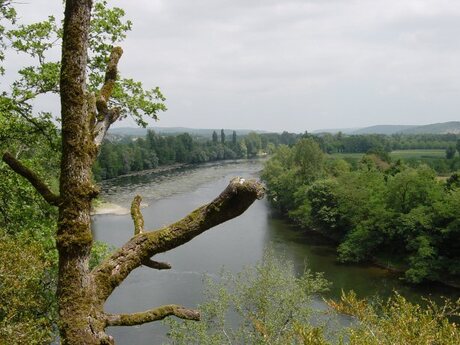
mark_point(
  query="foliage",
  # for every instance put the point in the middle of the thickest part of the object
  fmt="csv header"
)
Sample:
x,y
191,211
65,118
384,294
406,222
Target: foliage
x,y
27,289
130,155
264,304
308,158
450,152
399,322
363,143
376,209
268,304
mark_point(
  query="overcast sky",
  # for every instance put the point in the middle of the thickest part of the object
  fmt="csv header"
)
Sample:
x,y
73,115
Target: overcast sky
x,y
292,64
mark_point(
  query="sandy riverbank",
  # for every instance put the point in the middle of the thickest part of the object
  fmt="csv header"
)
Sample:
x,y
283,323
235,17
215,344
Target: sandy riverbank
x,y
109,208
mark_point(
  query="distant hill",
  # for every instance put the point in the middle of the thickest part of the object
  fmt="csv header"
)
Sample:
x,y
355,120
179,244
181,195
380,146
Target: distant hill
x,y
384,129
435,128
452,127
201,132
335,130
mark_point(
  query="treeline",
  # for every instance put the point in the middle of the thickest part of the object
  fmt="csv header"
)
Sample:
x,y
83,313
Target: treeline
x,y
137,154
402,216
341,143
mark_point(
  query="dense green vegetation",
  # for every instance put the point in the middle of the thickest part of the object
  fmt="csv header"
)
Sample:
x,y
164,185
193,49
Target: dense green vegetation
x,y
379,209
136,154
333,143
28,258
131,154
269,304
434,158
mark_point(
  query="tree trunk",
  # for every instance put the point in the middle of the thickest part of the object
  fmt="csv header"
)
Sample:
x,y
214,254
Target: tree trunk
x,y
77,309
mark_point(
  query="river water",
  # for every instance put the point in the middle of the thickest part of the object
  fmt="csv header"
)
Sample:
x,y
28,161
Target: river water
x,y
173,194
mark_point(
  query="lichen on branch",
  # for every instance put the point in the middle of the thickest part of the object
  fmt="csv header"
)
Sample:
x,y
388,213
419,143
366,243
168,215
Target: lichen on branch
x,y
109,82
151,315
106,116
136,215
232,202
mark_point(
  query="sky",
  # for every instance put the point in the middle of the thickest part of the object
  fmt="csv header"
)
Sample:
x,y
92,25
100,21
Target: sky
x,y
292,65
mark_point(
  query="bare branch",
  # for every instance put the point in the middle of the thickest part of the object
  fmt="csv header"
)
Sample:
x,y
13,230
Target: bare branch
x,y
33,178
109,82
101,127
232,202
105,116
157,265
152,315
136,214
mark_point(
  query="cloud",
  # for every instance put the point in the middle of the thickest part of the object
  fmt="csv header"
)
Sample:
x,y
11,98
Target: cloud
x,y
296,64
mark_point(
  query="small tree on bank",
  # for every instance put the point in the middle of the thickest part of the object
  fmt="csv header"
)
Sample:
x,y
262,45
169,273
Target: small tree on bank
x,y
86,116
222,137
450,152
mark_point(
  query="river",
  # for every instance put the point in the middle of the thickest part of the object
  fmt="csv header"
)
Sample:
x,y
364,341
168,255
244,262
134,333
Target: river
x,y
170,195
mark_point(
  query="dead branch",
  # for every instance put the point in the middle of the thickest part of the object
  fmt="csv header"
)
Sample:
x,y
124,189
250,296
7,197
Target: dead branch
x,y
136,215
105,116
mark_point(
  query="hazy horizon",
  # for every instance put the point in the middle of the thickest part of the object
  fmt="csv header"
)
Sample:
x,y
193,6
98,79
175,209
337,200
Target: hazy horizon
x,y
159,126
290,65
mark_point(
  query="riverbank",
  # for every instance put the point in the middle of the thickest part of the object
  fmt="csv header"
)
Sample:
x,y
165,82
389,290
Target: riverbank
x,y
383,262
109,208
160,169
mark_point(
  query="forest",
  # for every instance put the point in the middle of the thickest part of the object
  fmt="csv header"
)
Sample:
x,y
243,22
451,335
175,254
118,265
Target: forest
x,y
56,278
136,154
131,154
381,210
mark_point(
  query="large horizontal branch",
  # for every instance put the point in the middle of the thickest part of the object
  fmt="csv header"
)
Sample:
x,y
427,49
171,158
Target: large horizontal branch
x,y
152,315
232,202
32,177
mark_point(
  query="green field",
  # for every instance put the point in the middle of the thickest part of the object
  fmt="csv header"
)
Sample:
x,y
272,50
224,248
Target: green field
x,y
347,155
439,153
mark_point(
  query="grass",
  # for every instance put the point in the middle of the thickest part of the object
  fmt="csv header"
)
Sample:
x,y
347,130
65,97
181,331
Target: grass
x,y
347,155
438,153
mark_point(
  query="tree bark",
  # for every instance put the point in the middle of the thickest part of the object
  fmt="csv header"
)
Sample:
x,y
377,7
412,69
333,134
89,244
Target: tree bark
x,y
78,321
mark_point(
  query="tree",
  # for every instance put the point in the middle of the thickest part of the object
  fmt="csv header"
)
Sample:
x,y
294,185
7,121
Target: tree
x,y
309,159
450,152
271,302
234,138
222,136
86,115
253,144
214,137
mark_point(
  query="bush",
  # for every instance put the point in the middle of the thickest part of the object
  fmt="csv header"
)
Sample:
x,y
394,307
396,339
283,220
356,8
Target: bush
x,y
265,304
399,321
